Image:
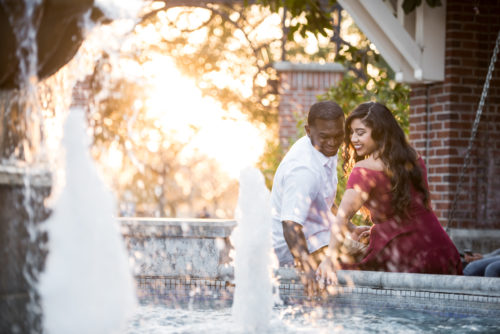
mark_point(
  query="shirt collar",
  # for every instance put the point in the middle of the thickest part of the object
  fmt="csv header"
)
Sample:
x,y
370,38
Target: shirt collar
x,y
331,162
324,160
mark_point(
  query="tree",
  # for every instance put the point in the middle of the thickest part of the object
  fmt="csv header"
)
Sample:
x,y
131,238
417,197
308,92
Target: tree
x,y
232,41
228,41
155,173
233,44
149,157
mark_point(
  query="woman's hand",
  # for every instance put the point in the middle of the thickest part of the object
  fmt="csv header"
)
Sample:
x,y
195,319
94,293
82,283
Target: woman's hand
x,y
326,274
473,257
361,234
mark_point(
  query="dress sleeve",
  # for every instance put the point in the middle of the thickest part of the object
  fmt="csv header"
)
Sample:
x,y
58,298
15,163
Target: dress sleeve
x,y
361,180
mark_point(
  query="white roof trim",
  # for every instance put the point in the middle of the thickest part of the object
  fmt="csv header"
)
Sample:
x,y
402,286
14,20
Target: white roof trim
x,y
414,58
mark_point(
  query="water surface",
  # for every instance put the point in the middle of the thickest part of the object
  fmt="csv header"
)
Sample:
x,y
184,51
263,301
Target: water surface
x,y
154,318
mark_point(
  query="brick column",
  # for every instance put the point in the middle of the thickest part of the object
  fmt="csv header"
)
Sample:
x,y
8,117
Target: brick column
x,y
299,88
442,116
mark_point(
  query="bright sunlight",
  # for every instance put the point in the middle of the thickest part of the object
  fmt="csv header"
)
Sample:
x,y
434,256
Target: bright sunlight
x,y
226,136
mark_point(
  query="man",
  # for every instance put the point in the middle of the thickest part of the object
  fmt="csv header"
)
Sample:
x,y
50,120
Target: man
x,y
304,190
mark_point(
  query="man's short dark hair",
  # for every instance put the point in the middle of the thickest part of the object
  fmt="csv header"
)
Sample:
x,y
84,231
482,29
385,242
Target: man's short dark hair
x,y
327,110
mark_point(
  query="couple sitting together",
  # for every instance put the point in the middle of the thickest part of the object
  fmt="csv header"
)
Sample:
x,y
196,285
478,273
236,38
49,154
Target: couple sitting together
x,y
387,177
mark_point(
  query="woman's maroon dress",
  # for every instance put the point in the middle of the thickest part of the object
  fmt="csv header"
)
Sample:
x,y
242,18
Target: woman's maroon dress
x,y
416,244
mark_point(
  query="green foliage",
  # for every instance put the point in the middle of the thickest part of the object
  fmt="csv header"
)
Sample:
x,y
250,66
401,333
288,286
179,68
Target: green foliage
x,y
118,124
410,5
351,91
270,159
313,15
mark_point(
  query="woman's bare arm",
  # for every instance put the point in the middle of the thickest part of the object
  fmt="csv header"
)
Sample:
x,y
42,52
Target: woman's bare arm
x,y
351,202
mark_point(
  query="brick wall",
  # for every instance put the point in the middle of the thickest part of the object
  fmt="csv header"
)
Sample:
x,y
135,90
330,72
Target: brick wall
x,y
300,85
442,115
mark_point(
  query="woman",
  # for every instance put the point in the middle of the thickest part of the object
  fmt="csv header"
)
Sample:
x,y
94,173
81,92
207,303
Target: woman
x,y
390,180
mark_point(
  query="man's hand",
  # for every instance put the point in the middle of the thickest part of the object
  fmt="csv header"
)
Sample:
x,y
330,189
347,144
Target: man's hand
x,y
308,278
326,274
304,262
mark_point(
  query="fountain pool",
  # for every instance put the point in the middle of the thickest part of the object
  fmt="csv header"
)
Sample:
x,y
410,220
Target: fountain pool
x,y
195,318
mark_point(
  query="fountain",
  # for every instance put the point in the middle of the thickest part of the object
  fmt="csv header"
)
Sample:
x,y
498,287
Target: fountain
x,y
37,39
55,39
255,260
87,260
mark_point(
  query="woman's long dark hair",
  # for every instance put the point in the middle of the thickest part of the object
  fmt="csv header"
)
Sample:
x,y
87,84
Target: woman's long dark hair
x,y
398,156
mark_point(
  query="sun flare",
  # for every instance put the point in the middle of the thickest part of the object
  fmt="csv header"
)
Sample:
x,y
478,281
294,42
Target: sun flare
x,y
225,135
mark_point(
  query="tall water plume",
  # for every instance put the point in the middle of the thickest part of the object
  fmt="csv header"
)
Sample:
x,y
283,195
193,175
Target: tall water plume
x,y
254,295
87,276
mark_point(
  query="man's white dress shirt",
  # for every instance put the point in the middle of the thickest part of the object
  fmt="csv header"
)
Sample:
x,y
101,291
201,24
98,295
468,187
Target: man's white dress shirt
x,y
304,189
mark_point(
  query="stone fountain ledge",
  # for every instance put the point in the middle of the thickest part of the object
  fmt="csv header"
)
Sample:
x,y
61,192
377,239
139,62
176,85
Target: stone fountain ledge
x,y
179,254
478,286
449,295
177,247
22,176
214,235
177,227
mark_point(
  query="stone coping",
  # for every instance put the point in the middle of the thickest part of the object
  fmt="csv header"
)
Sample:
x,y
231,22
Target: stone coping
x,y
286,66
176,227
477,240
474,233
480,286
22,176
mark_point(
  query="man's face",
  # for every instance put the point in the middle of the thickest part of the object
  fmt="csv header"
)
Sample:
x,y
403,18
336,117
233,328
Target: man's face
x,y
326,135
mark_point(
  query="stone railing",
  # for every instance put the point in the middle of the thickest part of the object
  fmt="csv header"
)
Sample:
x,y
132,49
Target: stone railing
x,y
477,240
178,247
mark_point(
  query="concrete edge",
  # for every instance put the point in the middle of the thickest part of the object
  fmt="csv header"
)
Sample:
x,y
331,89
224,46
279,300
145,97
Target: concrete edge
x,y
463,285
165,227
286,66
18,176
474,233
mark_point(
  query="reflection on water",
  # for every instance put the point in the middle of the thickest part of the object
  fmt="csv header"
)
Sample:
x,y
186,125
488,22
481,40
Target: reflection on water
x,y
156,318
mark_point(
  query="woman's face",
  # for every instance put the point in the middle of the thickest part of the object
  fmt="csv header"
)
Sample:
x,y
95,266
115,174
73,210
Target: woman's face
x,y
361,138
